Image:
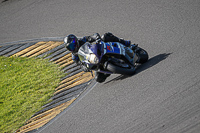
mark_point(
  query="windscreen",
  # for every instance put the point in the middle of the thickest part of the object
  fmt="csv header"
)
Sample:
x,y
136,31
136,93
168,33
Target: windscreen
x,y
84,51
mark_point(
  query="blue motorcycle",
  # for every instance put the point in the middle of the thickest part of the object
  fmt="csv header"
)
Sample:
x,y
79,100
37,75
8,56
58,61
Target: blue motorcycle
x,y
110,58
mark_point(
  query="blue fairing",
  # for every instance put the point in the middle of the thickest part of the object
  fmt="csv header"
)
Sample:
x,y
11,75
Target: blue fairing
x,y
112,47
95,48
103,48
100,49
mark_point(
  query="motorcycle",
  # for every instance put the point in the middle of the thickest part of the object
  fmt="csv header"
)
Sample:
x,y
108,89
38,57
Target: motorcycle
x,y
110,58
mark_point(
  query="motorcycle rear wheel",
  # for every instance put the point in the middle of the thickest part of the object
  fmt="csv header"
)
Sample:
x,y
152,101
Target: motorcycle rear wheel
x,y
142,55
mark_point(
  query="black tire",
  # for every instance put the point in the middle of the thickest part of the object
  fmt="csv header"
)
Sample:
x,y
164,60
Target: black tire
x,y
100,77
120,70
143,56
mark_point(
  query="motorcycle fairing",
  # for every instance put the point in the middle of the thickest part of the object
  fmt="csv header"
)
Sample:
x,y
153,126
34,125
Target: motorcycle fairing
x,y
118,48
100,49
113,48
84,52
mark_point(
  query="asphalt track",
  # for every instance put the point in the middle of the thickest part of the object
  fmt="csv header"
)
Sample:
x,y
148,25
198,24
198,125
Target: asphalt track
x,y
162,97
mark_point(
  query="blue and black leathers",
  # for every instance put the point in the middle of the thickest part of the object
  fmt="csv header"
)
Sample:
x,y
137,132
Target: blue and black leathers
x,y
107,37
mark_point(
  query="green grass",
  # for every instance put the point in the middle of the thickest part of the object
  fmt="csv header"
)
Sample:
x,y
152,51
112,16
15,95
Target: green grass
x,y
25,85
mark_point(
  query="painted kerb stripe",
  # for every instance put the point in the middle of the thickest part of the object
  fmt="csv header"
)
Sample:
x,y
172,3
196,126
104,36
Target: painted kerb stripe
x,y
70,87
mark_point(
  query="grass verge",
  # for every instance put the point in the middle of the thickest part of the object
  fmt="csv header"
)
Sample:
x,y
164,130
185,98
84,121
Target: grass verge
x,y
25,85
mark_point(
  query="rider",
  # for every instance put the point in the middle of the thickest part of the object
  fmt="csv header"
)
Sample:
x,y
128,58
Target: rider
x,y
72,43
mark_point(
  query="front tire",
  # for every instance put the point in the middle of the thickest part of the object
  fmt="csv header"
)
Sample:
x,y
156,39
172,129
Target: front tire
x,y
101,77
116,69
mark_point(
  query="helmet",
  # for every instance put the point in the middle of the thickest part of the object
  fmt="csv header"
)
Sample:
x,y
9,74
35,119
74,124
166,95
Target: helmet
x,y
71,43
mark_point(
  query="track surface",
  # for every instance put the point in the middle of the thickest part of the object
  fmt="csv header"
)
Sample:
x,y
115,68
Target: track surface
x,y
162,97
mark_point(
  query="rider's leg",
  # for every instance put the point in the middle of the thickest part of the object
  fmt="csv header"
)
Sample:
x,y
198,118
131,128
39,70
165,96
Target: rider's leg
x,y
109,37
94,37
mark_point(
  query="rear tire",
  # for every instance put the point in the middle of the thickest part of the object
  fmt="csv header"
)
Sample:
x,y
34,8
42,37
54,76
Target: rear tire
x,y
142,55
120,70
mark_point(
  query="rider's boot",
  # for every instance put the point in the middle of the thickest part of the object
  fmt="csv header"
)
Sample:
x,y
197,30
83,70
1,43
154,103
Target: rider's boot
x,y
133,46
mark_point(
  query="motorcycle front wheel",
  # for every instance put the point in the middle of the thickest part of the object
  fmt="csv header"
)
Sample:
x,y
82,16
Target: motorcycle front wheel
x,y
120,70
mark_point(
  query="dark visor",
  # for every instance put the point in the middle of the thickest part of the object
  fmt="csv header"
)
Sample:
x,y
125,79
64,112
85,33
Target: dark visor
x,y
72,45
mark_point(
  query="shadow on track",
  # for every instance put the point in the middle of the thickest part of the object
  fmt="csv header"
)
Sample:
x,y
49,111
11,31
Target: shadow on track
x,y
150,63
